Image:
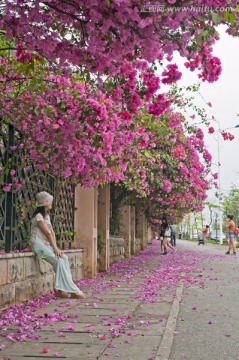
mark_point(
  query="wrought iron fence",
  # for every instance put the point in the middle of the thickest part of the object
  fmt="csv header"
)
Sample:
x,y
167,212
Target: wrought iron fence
x,y
16,207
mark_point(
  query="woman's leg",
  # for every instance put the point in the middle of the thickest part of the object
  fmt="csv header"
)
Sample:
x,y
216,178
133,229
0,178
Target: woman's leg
x,y
165,245
63,278
170,246
233,246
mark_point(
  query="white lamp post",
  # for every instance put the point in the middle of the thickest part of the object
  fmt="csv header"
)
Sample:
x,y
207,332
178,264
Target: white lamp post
x,y
219,188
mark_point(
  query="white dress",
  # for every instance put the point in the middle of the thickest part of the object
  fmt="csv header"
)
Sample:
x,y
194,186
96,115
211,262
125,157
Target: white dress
x,y
41,246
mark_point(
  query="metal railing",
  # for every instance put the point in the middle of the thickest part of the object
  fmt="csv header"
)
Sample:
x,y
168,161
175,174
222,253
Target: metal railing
x,y
16,207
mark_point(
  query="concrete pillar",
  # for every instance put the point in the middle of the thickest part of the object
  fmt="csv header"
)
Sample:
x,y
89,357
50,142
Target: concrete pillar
x,y
132,228
86,203
103,228
141,225
125,228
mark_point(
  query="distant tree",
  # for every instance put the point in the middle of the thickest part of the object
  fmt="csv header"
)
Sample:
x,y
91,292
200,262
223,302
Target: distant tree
x,y
230,204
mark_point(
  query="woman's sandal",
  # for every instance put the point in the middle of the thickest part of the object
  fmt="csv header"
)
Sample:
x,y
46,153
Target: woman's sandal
x,y
61,294
77,296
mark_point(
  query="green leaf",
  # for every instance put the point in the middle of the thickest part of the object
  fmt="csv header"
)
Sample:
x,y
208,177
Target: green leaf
x,y
205,33
147,154
108,2
62,105
230,17
216,18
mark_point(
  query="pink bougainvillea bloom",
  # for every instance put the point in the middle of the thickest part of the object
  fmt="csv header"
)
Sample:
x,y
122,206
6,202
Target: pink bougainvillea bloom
x,y
7,188
194,308
12,172
45,350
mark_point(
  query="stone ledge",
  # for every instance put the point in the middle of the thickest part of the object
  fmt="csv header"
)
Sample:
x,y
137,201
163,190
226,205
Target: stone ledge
x,y
16,255
30,254
25,276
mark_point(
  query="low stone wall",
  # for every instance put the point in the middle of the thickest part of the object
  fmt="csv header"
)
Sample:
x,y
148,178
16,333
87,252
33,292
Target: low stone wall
x,y
117,248
24,276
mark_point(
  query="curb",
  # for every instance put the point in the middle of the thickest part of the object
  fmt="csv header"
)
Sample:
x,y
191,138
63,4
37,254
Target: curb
x,y
167,340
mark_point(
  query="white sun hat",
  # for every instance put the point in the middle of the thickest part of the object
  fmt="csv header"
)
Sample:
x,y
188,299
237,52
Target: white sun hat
x,y
43,199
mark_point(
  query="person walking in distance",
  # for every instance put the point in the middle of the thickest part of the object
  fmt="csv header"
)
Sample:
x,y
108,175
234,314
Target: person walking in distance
x,y
231,227
44,245
163,227
173,235
166,244
205,234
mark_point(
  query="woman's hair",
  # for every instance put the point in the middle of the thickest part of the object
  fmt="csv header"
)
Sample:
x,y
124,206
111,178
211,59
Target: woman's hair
x,y
230,217
41,210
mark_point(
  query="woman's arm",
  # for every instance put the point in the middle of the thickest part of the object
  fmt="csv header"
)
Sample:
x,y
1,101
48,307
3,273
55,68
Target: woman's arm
x,y
53,235
50,235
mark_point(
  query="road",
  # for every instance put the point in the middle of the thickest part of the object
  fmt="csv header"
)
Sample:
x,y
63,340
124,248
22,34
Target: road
x,y
208,320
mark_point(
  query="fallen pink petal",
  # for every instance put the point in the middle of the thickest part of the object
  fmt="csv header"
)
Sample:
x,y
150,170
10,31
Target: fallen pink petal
x,y
2,347
103,337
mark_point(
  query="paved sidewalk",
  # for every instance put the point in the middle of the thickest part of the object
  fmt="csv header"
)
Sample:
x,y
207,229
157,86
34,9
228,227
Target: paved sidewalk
x,y
129,313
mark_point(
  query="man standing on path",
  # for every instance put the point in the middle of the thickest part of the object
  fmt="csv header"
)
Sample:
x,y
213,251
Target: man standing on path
x,y
231,227
173,235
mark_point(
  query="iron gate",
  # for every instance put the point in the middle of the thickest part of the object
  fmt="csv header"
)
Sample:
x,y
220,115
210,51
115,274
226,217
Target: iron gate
x,y
16,207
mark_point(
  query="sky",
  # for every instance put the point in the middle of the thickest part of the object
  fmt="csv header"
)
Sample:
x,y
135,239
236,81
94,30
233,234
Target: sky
x,y
224,96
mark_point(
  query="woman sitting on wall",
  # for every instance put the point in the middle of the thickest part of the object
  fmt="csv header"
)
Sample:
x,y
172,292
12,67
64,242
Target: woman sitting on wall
x,y
44,244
